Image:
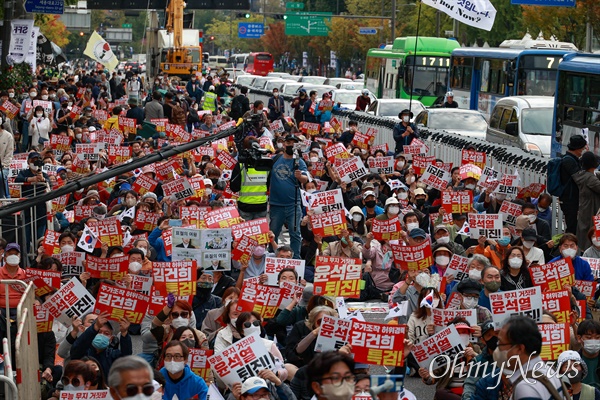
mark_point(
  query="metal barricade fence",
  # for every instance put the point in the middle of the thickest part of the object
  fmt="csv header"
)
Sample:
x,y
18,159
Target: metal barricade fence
x,y
24,382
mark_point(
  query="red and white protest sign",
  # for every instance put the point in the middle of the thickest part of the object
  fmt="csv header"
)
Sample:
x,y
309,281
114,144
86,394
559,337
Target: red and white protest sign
x,y
361,140
225,217
413,258
337,276
127,125
594,265
351,170
274,265
224,160
118,154
167,237
442,318
556,338
458,267
457,202
336,150
108,231
488,225
420,163
526,302
510,211
161,124
588,288
71,300
43,319
554,275
469,171
386,230
121,303
60,203
146,221
242,360
329,223
180,189
113,268
72,263
85,395
51,245
382,165
11,110
243,251
60,142
508,185
532,191
45,281
558,303
473,157
263,299
82,212
88,151
334,334
377,344
436,177
257,229
327,201
447,342
178,277
198,362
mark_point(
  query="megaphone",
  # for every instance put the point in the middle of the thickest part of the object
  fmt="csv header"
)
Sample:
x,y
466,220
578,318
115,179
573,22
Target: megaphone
x,y
387,386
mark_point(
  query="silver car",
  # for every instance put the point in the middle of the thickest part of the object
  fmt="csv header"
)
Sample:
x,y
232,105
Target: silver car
x,y
469,123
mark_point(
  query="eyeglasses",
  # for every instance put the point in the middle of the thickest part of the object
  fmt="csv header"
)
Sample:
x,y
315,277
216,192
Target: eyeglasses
x,y
248,324
337,380
504,344
75,381
183,314
132,390
176,357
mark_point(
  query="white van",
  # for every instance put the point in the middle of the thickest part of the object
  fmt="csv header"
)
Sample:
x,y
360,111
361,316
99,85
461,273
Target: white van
x,y
524,122
217,62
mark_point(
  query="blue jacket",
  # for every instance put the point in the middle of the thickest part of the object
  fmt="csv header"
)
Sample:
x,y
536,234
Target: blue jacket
x,y
481,388
378,210
156,241
196,94
202,306
583,271
83,347
189,386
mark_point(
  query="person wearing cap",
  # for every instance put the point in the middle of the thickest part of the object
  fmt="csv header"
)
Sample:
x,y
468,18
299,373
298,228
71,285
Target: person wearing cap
x,y
450,103
287,175
210,99
298,105
568,248
569,168
470,291
571,365
404,131
95,342
180,381
265,386
370,209
441,235
11,270
483,367
392,209
533,254
363,101
541,226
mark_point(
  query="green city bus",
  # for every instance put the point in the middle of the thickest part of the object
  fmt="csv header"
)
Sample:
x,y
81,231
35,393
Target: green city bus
x,y
389,71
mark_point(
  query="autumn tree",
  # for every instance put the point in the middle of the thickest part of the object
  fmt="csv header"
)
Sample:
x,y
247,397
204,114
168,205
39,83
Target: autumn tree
x,y
54,29
275,41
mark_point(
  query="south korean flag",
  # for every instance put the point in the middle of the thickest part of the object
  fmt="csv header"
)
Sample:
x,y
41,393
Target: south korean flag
x,y
88,240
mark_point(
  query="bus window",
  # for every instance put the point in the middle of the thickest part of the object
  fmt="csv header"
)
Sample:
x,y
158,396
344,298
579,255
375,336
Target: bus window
x,y
485,76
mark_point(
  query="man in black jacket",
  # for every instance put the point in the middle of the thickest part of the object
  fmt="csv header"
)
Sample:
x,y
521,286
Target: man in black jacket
x,y
569,166
240,104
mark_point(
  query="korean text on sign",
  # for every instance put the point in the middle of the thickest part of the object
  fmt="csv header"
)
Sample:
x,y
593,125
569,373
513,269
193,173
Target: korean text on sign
x,y
555,339
263,299
337,276
413,258
121,303
377,344
553,276
558,303
488,225
434,349
516,302
329,223
177,277
333,334
71,300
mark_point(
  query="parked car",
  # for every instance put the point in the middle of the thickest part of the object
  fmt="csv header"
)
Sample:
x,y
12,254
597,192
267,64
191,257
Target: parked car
x,y
390,108
469,123
313,80
347,97
524,122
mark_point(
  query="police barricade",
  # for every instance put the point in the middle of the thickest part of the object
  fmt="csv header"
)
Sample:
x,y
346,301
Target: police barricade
x,y
24,382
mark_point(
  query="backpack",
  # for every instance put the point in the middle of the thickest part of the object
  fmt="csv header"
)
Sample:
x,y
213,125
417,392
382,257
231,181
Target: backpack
x,y
177,115
553,183
237,108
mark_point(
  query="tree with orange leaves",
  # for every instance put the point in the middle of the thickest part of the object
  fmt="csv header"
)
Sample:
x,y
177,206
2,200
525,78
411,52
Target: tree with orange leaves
x,y
54,29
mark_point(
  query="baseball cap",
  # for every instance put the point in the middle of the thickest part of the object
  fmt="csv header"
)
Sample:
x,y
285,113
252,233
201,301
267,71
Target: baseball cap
x,y
12,246
253,385
441,228
469,286
306,295
417,233
529,234
368,193
391,200
33,154
367,186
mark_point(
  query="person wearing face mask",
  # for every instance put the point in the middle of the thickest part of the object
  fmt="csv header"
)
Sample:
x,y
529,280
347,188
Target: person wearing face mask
x,y
310,107
405,131
569,170
541,227
379,261
298,105
130,200
589,196
391,210
26,114
180,381
571,365
496,250
276,106
95,342
441,258
533,254
519,344
287,174
469,291
300,344
543,205
594,250
514,272
77,376
441,234
11,270
371,209
348,135
483,367
213,321
330,376
39,127
421,204
420,323
568,249
588,335
346,246
204,300
491,279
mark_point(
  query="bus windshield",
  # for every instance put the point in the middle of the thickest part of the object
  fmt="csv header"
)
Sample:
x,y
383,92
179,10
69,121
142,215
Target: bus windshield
x,y
429,81
538,83
537,121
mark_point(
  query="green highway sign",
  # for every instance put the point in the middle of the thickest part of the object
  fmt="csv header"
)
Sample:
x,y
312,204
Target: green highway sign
x,y
126,26
307,23
294,6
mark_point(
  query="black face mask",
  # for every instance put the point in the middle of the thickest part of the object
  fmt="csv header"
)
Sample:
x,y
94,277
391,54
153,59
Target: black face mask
x,y
492,343
370,203
420,202
289,150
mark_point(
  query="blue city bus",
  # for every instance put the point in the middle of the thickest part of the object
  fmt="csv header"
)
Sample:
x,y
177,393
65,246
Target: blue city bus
x,y
577,102
479,77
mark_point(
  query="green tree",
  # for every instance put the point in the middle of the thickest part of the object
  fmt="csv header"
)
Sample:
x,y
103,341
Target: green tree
x,y
509,24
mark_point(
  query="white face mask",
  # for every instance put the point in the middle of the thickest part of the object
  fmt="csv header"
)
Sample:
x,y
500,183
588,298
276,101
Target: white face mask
x,y
143,251
596,242
569,253
279,145
470,186
435,303
70,387
410,179
135,266
39,114
400,164
442,260
443,240
515,262
179,322
402,195
393,210
314,159
343,392
33,94
67,248
11,95
130,202
406,118
78,136
311,190
475,274
253,329
500,197
591,346
174,366
13,259
542,209
532,218
275,94
412,225
44,97
207,191
529,244
470,302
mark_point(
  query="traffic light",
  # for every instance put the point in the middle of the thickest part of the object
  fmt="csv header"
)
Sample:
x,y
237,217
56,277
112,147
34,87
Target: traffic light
x,y
212,38
247,15
81,33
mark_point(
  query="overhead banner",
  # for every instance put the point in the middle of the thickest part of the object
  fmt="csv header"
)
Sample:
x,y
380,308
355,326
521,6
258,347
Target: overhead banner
x,y
98,49
20,38
476,13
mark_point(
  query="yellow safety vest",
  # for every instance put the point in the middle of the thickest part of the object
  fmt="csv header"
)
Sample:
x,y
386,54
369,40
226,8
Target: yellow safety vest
x,y
209,101
254,186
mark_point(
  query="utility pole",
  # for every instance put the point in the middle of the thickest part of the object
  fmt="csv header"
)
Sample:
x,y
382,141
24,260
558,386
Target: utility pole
x,y
8,15
393,20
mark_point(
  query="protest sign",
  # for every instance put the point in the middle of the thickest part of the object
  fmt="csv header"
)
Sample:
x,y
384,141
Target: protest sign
x,y
186,244
274,265
60,143
198,362
113,268
508,185
594,265
413,258
72,263
85,395
50,243
108,231
327,201
43,319
558,303
510,211
447,342
555,339
146,220
45,281
436,177
243,251
168,170
333,334
144,184
71,300
167,237
378,344
351,170
263,299
361,140
526,302
442,318
118,154
532,191
121,303
178,189
256,229
382,165
337,276
82,212
328,224
140,283
386,230
473,157
457,202
178,277
420,163
488,225
458,267
587,288
223,218
553,275
469,171
88,151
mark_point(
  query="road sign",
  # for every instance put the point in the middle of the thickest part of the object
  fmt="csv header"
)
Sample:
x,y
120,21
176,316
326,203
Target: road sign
x,y
250,30
558,3
126,26
367,31
307,23
294,6
45,6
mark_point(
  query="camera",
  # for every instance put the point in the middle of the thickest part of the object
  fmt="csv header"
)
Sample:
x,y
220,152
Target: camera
x,y
254,157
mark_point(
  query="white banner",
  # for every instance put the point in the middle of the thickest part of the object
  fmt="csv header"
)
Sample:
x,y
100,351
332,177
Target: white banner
x,y
20,38
476,13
